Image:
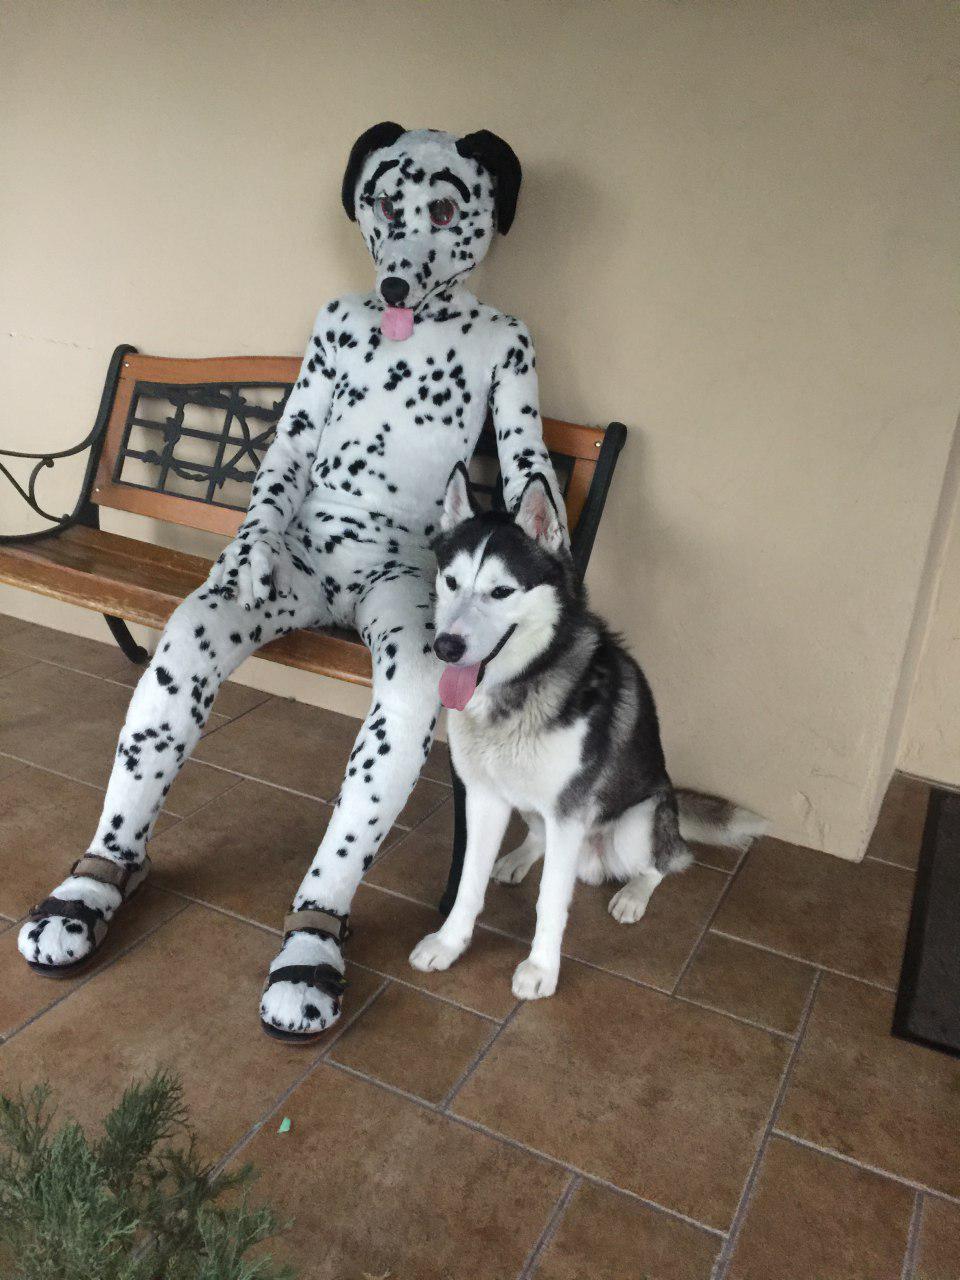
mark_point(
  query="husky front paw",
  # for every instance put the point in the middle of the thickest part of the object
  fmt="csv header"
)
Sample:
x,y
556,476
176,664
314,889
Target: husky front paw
x,y
432,952
628,904
532,982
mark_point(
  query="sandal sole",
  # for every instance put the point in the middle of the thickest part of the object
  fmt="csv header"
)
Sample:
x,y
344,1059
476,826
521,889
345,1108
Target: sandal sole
x,y
292,1037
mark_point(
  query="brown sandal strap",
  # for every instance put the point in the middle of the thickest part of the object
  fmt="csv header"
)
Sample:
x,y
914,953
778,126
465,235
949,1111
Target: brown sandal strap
x,y
66,909
327,922
106,871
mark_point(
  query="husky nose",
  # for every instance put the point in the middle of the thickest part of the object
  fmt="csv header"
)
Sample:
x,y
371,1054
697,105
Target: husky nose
x,y
449,648
394,290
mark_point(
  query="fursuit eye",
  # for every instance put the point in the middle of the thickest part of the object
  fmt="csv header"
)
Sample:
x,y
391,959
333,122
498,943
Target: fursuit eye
x,y
442,212
501,593
387,208
451,582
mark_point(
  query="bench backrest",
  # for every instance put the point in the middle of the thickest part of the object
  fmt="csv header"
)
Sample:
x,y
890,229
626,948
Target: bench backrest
x,y
184,439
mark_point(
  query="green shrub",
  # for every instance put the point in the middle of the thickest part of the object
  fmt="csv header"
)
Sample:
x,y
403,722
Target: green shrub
x,y
137,1204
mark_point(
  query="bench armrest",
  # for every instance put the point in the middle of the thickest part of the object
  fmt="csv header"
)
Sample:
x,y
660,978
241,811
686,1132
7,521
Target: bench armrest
x,y
46,460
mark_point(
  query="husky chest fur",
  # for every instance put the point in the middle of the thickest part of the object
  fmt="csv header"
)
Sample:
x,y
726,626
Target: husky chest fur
x,y
553,717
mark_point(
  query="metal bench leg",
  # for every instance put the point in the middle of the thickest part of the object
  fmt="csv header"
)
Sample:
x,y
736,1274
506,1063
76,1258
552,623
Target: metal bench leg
x,y
459,843
129,647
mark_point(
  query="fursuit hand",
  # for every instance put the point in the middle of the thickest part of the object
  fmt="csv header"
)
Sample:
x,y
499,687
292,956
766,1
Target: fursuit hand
x,y
252,567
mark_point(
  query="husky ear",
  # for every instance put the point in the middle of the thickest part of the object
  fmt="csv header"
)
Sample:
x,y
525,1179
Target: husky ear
x,y
380,135
536,514
500,161
458,502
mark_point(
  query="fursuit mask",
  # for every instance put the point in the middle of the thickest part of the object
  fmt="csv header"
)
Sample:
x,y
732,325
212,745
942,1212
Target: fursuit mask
x,y
427,205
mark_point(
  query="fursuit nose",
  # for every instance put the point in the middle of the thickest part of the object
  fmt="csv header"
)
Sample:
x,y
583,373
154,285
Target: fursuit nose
x,y
449,648
394,290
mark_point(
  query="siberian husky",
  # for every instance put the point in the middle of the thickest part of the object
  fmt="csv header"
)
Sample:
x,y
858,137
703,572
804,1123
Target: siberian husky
x,y
551,716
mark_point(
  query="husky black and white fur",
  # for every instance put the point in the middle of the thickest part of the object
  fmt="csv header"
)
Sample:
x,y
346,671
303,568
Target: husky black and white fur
x,y
551,716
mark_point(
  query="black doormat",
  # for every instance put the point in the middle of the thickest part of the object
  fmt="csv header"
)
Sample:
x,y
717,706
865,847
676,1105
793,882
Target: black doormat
x,y
928,1001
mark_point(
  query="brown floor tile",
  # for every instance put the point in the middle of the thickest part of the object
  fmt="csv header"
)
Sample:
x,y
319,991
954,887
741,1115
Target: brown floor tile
x,y
937,1255
11,662
660,1097
418,865
46,823
8,766
896,837
859,1091
196,785
653,950
605,1236
187,999
416,1043
748,982
301,747
24,993
377,1185
437,765
387,928
103,658
247,851
842,915
813,1218
9,626
716,855
64,720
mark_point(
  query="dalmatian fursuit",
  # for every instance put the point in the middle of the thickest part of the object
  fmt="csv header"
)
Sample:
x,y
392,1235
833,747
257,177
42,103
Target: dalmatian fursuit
x,y
393,392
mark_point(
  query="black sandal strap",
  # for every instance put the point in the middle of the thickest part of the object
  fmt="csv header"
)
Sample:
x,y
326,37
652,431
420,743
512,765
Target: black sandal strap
x,y
67,909
325,977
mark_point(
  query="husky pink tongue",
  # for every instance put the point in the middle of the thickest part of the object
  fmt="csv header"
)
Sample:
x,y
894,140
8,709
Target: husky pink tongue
x,y
397,323
457,686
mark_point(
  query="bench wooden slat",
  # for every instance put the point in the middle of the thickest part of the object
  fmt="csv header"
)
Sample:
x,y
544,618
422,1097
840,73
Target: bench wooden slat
x,y
144,583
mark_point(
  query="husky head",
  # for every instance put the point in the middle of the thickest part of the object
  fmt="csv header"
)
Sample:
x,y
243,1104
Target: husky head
x,y
503,583
428,205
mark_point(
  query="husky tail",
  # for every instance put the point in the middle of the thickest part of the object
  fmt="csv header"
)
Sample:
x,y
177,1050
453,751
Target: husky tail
x,y
715,821
670,853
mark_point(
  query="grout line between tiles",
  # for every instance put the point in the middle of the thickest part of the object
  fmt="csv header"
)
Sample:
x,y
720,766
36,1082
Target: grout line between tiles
x,y
476,1127
315,1063
726,1253
613,973
932,1192
788,955
550,1230
710,919
95,972
276,933
479,1057
913,1236
887,863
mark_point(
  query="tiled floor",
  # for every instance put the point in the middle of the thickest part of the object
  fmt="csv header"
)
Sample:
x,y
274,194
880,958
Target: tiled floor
x,y
711,1093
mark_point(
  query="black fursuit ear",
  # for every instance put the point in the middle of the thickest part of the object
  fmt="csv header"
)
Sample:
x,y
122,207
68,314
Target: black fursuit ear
x,y
500,160
380,135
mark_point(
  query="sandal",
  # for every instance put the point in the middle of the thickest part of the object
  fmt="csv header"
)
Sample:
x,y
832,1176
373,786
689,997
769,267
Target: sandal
x,y
105,871
325,977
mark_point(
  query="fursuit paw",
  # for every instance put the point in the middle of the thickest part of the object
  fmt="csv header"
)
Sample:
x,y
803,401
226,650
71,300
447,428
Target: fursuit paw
x,y
532,981
296,1005
512,867
61,942
432,952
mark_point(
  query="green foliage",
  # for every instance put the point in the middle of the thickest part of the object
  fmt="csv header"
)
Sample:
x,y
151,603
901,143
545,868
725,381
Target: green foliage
x,y
138,1204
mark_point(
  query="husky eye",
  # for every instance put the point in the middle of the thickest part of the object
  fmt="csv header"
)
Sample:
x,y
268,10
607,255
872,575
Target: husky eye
x,y
442,212
501,593
386,207
451,582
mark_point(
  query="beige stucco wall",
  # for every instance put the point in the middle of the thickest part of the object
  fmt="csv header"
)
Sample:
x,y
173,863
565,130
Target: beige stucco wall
x,y
930,743
737,233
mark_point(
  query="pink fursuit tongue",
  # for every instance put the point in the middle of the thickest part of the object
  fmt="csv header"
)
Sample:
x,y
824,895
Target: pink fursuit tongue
x,y
397,323
458,685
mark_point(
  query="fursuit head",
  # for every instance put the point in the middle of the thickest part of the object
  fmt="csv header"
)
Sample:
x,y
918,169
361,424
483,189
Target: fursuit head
x,y
552,717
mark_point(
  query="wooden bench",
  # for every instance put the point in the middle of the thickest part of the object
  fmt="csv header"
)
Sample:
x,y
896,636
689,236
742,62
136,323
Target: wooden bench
x,y
180,441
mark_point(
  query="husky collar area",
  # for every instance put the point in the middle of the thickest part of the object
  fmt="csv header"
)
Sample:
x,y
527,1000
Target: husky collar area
x,y
554,718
